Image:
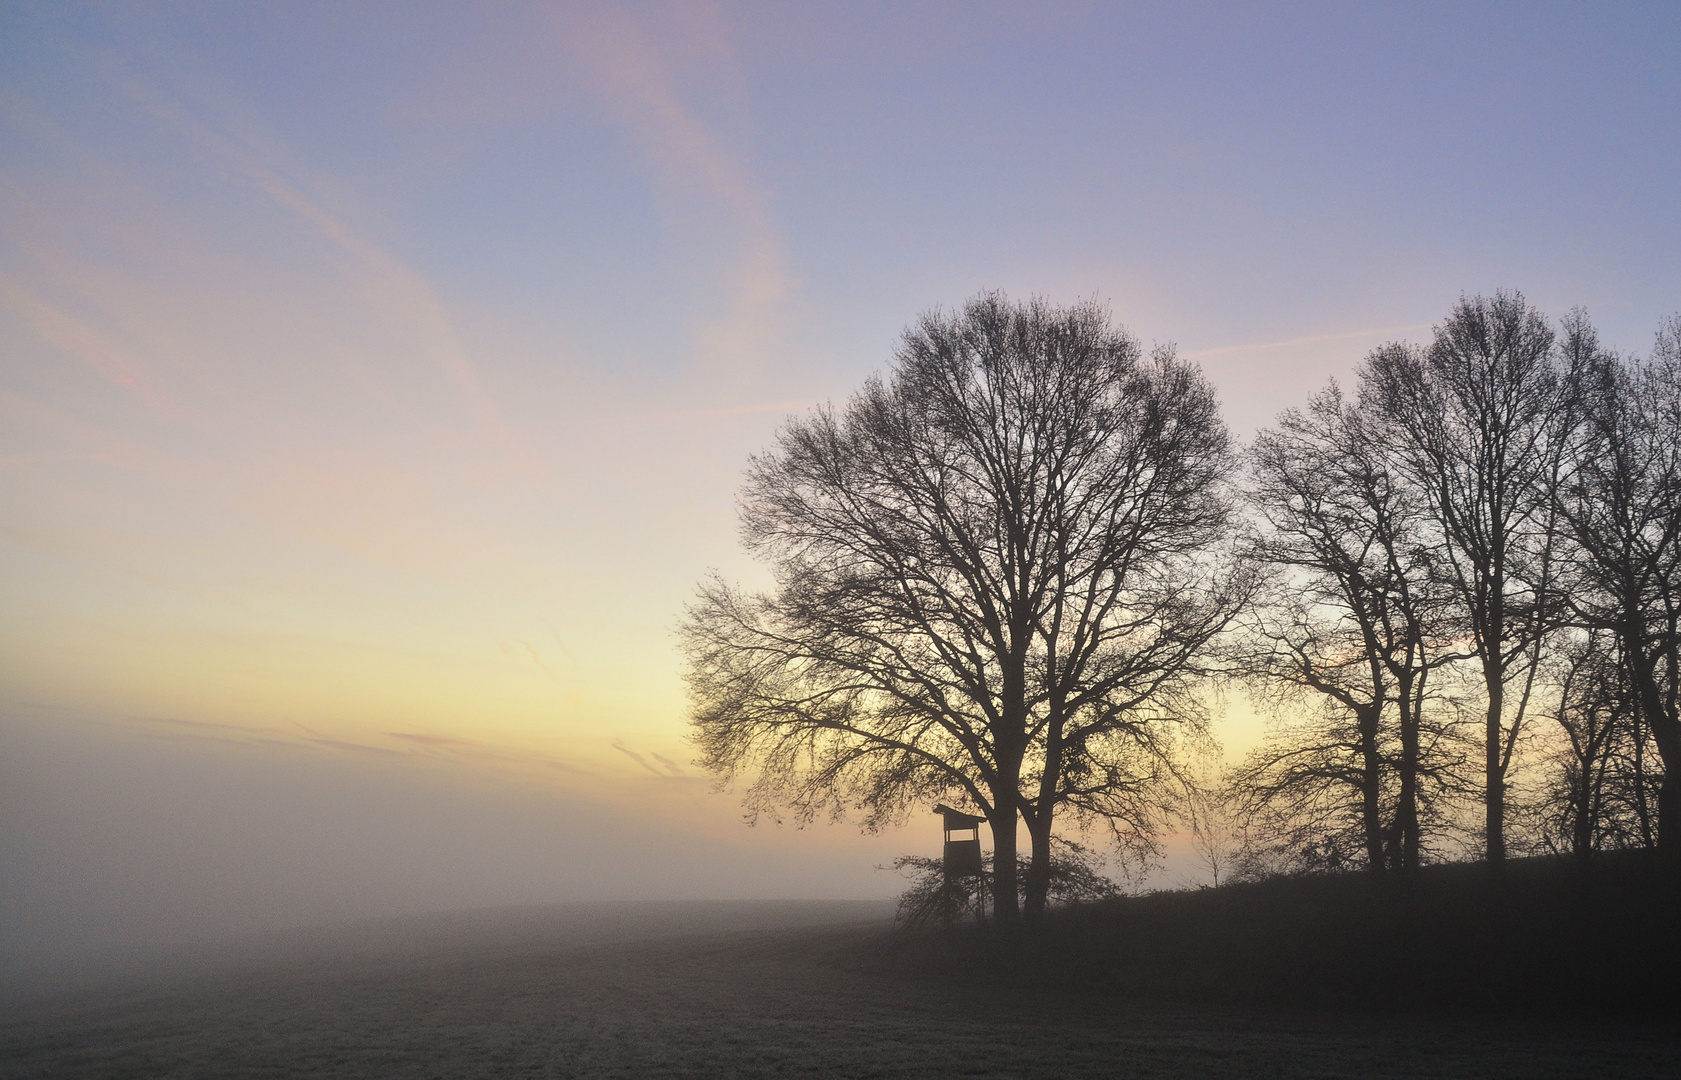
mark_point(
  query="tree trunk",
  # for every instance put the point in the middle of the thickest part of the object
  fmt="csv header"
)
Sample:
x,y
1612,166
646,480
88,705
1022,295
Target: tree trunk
x,y
1494,775
1371,787
1669,814
1666,733
1406,806
1005,906
1581,829
1642,804
1039,871
1039,822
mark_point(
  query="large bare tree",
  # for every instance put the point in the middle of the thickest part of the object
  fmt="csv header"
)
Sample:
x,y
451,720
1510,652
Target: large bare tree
x,y
995,580
1621,506
1469,418
1353,624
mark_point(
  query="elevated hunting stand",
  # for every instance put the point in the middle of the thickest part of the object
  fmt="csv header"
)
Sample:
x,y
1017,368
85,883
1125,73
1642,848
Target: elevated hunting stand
x,y
965,875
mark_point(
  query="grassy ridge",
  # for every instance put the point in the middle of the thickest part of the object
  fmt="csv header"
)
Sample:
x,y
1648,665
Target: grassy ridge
x,y
1543,936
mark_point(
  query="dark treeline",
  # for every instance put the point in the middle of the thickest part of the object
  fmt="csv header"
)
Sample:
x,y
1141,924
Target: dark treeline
x,y
1469,622
1008,572
1542,940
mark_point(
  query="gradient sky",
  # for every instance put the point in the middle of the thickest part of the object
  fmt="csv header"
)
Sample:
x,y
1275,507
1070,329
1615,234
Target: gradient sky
x,y
375,380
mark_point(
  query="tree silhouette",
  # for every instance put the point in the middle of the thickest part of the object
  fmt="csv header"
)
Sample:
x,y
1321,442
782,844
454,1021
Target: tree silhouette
x,y
997,575
1620,502
1469,419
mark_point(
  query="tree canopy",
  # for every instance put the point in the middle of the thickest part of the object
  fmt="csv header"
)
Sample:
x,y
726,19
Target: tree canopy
x,y
998,574
1006,569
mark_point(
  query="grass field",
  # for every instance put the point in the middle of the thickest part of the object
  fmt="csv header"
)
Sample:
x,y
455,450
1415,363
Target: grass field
x,y
711,990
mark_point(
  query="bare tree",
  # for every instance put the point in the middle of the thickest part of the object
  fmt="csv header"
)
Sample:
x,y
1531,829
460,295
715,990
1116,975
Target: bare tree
x,y
994,581
1354,620
1208,814
1621,505
1470,419
1599,794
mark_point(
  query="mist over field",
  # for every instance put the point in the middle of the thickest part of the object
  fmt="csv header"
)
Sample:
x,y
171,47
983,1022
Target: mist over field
x,y
737,988
122,843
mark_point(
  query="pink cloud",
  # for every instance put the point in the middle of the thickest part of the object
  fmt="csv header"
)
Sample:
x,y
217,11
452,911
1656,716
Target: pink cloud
x,y
76,338
634,76
1310,339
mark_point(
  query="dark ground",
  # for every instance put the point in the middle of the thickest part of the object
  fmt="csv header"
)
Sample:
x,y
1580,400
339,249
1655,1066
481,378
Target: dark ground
x,y
718,990
1545,939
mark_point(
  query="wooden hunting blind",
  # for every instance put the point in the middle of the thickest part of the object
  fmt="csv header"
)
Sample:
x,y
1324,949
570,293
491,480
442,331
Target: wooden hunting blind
x,y
964,887
963,853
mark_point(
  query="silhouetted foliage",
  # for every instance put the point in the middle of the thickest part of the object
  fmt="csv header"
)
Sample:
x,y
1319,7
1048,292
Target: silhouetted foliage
x,y
1075,876
1470,420
1214,829
1601,790
1492,525
1620,503
1002,579
1349,631
998,575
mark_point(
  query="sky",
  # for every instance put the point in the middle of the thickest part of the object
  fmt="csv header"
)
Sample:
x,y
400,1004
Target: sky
x,y
376,379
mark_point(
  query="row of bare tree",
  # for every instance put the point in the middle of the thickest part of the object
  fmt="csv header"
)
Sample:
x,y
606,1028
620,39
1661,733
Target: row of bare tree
x,y
1482,540
1006,573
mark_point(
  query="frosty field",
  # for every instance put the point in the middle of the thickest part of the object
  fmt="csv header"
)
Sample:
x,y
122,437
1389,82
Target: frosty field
x,y
699,990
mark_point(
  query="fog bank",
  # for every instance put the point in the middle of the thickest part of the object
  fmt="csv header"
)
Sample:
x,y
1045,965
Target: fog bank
x,y
117,840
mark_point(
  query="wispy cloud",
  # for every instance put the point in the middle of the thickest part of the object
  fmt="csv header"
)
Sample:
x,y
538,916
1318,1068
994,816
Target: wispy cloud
x,y
670,766
430,740
105,444
529,652
1310,339
635,78
634,756
86,344
561,645
209,725
470,751
412,746
357,748
535,659
721,414
397,293
670,771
